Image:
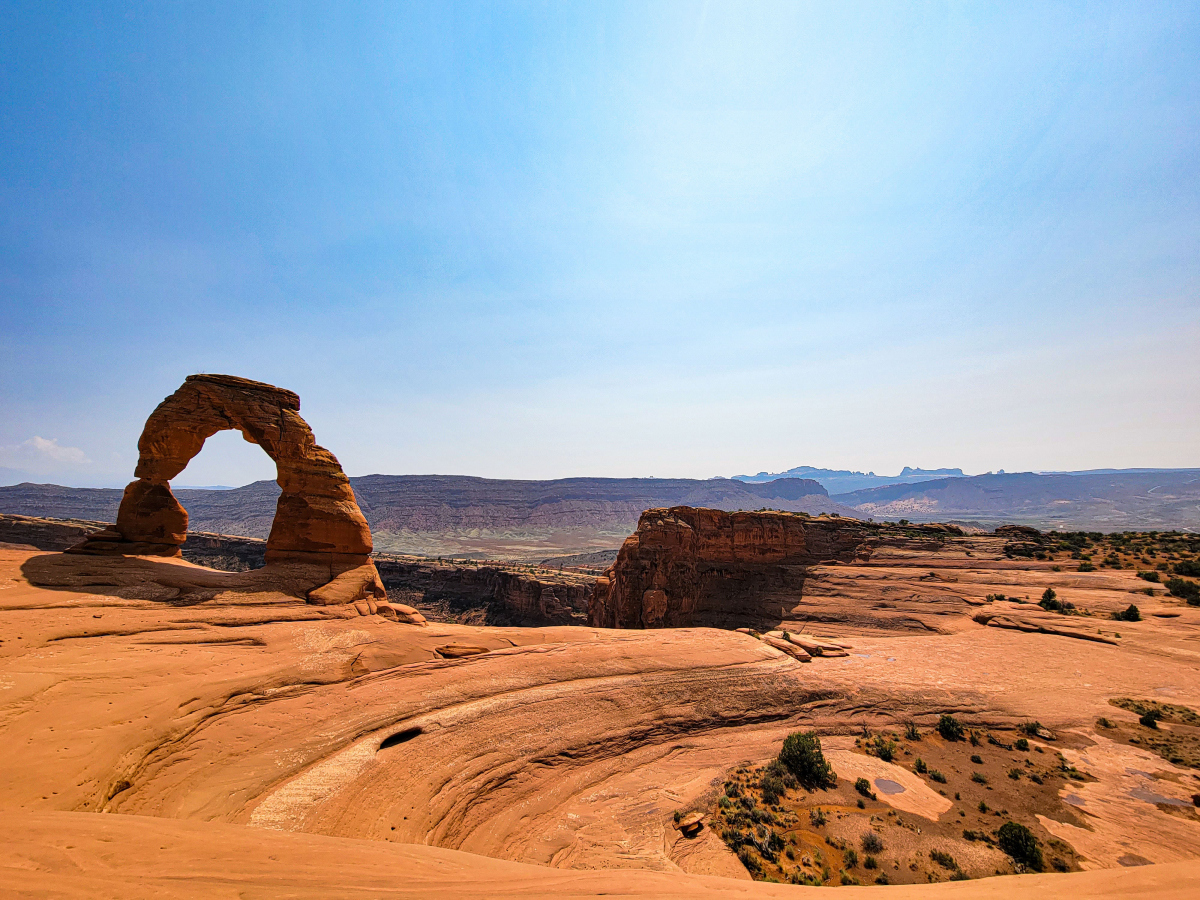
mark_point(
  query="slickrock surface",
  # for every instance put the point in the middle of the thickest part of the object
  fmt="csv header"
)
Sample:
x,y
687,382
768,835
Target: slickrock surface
x,y
76,855
317,524
229,702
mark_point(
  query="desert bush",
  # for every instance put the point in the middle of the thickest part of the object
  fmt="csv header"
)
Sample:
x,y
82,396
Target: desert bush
x,y
884,748
870,862
1015,774
1031,728
801,755
749,860
910,731
1187,567
864,787
977,778
977,759
816,818
851,858
1184,590
1022,745
1049,599
1150,718
983,807
950,729
1018,842
1129,614
943,859
871,842
919,766
882,879
774,782
1086,566
1148,576
935,775
1103,722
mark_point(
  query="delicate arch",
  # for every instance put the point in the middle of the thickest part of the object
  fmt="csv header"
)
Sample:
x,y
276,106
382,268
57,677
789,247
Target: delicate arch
x,y
316,518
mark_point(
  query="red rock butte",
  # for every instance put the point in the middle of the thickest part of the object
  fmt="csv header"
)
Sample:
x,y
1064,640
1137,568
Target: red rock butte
x,y
317,520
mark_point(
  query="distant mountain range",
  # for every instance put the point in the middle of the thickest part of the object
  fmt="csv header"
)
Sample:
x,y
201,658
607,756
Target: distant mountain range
x,y
1138,500
454,515
839,481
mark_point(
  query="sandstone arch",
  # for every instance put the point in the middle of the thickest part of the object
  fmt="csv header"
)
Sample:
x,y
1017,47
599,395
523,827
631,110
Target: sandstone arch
x,y
317,520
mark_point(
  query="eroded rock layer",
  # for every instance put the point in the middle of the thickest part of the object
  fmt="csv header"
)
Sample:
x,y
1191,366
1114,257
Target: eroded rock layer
x,y
685,565
317,520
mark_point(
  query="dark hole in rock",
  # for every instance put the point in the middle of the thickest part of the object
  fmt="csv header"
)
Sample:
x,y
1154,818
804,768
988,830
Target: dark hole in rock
x,y
400,737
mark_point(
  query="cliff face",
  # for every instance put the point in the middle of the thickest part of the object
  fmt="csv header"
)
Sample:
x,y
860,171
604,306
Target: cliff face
x,y
486,593
686,566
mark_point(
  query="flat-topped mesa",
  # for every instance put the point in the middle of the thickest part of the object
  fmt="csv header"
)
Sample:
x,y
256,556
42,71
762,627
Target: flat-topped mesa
x,y
686,566
317,520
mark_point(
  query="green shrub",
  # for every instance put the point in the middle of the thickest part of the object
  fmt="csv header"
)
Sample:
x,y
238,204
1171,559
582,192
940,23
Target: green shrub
x,y
1187,567
919,766
945,860
1149,576
871,842
1150,718
851,858
935,775
910,731
816,818
884,748
749,860
870,863
1086,566
882,879
1129,614
950,729
1184,590
1018,842
801,755
1022,745
983,807
977,778
864,787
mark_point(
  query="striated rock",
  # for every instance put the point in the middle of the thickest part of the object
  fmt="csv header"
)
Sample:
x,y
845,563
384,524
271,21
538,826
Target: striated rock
x,y
793,650
317,520
688,566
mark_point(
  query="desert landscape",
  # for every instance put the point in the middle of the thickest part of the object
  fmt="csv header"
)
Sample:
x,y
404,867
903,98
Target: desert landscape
x,y
999,712
691,449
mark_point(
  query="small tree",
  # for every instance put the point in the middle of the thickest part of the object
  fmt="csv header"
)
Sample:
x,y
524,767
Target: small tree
x,y
1018,842
950,729
801,755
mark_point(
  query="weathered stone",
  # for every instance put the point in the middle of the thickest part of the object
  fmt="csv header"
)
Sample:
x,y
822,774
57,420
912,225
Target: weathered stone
x,y
317,520
687,566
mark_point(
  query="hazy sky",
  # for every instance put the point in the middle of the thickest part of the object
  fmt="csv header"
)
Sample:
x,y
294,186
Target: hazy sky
x,y
539,240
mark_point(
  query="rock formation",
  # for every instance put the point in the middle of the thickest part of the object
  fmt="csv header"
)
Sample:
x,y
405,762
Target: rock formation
x,y
687,566
317,522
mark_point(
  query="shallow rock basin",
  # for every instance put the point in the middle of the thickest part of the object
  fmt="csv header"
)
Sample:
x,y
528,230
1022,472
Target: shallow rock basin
x,y
887,786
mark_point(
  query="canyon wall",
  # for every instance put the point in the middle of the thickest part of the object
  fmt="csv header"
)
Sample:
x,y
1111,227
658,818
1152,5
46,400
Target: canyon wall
x,y
686,566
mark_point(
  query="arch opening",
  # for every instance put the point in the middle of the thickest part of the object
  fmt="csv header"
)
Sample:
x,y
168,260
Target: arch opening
x,y
317,522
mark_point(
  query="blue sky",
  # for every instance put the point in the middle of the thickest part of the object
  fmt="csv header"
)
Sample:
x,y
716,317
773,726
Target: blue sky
x,y
540,240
